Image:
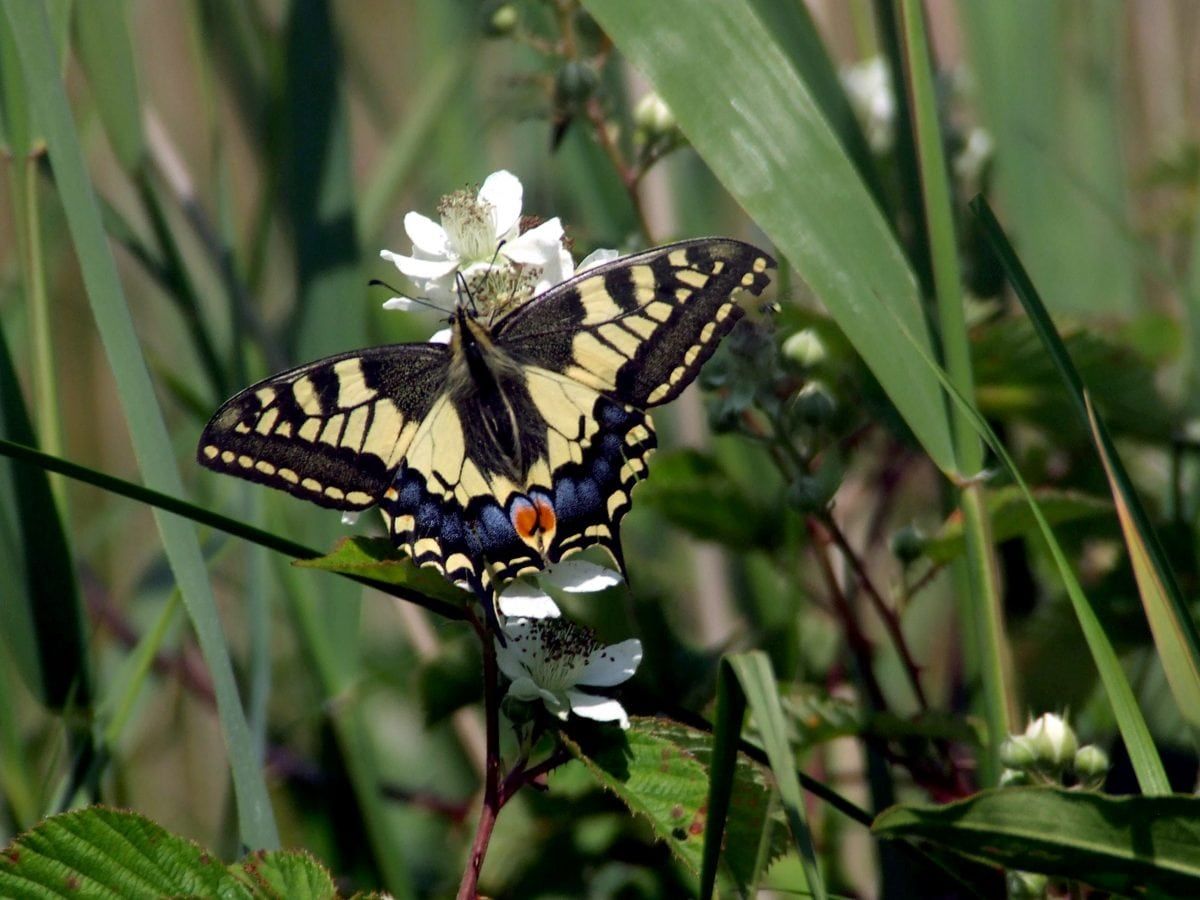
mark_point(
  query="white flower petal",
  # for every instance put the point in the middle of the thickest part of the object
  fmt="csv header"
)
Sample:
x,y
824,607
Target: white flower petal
x,y
612,665
601,709
350,516
401,304
526,600
428,237
440,337
595,258
523,688
558,704
578,576
502,190
420,268
537,246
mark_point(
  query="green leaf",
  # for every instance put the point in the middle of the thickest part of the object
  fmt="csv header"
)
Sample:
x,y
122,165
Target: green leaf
x,y
1056,118
1012,517
44,621
376,558
754,673
751,114
659,770
1170,618
693,491
1128,845
105,50
1147,765
102,852
151,444
285,874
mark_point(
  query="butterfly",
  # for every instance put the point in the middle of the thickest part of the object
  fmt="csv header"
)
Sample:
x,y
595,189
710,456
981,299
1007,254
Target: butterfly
x,y
518,442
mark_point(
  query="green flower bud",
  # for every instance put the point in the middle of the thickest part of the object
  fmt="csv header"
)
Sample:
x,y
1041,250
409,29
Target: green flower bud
x,y
1026,885
654,118
1013,778
1053,741
805,348
1091,765
814,404
574,83
502,21
908,544
1018,753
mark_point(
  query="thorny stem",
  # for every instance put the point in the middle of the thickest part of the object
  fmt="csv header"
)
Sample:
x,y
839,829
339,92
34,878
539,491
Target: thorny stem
x,y
492,799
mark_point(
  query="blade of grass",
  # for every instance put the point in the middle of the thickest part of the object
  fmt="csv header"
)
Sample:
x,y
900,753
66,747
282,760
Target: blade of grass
x,y
1143,756
205,516
53,653
986,608
152,445
1173,636
727,729
751,114
105,50
1175,631
757,681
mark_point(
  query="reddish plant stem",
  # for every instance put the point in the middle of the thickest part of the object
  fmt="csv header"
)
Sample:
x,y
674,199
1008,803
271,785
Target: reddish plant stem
x,y
891,621
492,801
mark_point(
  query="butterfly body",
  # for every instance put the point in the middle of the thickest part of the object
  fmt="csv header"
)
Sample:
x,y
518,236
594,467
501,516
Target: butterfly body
x,y
519,441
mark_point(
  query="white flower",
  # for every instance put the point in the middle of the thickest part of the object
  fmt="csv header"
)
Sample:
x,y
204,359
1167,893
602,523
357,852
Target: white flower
x,y
1052,740
974,157
868,85
549,659
479,239
525,599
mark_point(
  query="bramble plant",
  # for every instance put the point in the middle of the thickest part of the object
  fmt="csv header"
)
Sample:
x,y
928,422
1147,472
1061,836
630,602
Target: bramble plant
x,y
913,568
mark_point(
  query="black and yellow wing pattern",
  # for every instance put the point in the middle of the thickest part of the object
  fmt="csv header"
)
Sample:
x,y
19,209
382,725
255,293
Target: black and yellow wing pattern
x,y
519,442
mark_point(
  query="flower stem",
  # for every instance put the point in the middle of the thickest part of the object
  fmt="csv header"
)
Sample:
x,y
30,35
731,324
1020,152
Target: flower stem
x,y
468,889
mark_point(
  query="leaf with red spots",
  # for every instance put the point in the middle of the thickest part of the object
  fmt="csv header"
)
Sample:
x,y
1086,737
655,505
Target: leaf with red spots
x,y
659,769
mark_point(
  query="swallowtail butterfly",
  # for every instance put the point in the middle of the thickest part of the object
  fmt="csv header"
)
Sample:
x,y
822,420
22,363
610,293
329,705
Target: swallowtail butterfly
x,y
519,441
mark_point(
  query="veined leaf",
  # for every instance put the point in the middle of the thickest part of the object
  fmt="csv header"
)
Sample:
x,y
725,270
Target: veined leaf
x,y
376,558
659,769
102,852
1130,845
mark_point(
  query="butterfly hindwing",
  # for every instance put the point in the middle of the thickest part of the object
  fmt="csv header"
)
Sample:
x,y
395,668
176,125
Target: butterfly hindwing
x,y
639,328
332,431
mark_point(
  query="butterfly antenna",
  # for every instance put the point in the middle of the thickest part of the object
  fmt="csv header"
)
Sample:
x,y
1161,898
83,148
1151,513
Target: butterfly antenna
x,y
464,290
376,282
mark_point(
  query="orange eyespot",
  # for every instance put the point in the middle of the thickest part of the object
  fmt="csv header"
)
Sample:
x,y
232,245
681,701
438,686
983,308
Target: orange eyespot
x,y
545,514
524,517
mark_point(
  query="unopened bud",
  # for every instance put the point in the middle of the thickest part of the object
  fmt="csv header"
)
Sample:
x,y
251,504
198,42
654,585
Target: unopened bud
x,y
502,21
814,404
1018,753
1026,885
653,117
908,543
575,83
1013,778
1091,765
805,348
1054,743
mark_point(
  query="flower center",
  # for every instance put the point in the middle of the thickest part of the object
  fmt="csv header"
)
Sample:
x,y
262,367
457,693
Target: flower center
x,y
467,221
558,653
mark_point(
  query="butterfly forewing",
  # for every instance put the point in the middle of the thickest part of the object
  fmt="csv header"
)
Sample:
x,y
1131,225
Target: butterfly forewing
x,y
332,431
639,328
